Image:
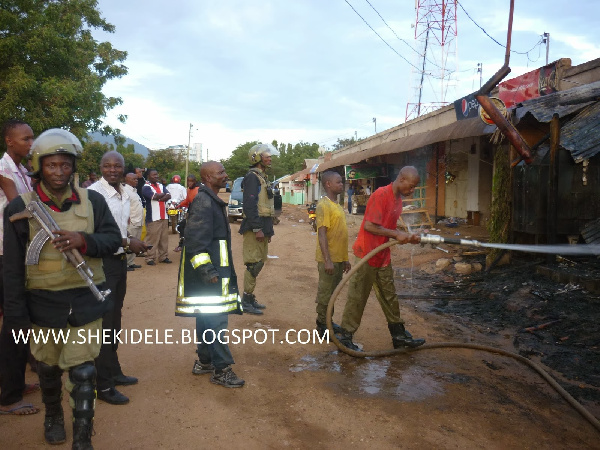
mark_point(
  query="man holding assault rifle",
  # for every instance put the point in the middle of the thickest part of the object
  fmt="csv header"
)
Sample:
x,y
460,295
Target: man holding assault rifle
x,y
46,292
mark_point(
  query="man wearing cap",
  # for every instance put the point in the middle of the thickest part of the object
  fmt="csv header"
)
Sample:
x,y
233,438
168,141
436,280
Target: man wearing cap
x,y
257,224
51,297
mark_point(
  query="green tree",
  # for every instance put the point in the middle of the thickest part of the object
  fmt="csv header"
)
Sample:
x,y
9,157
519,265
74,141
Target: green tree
x,y
167,162
238,163
293,159
89,159
133,160
341,143
290,160
52,69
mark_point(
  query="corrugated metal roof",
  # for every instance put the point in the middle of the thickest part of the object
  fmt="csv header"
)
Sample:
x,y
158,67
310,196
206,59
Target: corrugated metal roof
x,y
591,232
563,102
581,135
455,130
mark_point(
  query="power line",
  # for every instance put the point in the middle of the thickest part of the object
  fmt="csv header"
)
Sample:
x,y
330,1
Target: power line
x,y
403,40
384,41
488,35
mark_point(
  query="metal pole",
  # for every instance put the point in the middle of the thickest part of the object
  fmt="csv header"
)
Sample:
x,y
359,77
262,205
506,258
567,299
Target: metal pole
x,y
187,158
547,41
375,122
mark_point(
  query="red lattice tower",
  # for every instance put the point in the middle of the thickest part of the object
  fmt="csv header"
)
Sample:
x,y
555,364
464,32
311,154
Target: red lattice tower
x,y
436,36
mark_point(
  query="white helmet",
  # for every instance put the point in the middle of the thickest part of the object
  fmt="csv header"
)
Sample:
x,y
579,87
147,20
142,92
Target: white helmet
x,y
256,152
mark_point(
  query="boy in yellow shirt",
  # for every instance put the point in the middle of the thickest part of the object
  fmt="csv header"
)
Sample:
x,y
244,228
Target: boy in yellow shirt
x,y
332,245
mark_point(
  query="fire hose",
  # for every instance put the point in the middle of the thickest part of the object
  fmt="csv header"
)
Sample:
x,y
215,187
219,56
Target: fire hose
x,y
436,239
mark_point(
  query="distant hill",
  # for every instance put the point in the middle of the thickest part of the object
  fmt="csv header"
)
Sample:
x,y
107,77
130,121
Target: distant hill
x,y
99,137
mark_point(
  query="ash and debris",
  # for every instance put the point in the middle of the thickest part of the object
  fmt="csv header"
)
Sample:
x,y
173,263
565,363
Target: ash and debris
x,y
550,322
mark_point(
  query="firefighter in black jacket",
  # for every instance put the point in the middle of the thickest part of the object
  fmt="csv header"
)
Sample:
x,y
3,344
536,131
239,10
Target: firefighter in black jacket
x,y
207,287
257,224
50,296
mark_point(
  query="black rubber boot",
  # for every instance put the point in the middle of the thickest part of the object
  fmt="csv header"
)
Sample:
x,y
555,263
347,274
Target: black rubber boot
x,y
82,434
51,387
402,338
345,337
248,306
83,397
322,328
252,299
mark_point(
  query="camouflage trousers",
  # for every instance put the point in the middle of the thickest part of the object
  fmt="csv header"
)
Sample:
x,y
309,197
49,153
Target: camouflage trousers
x,y
360,285
327,284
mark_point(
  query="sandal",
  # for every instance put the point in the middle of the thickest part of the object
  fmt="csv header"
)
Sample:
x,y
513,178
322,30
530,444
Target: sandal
x,y
25,408
31,388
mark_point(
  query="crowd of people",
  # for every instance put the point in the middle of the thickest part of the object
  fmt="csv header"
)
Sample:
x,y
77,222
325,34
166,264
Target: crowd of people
x,y
69,268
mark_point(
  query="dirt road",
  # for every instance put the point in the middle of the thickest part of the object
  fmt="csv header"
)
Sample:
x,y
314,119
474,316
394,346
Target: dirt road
x,y
309,395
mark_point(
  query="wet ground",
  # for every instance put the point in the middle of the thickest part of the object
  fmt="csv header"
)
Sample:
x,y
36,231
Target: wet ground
x,y
515,308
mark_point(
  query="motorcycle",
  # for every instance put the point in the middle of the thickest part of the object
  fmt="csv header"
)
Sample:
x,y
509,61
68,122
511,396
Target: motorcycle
x,y
312,216
175,215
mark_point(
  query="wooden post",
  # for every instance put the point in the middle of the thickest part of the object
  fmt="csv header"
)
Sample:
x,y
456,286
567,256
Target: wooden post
x,y
437,181
552,216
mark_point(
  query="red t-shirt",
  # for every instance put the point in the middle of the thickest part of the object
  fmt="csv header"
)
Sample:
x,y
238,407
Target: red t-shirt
x,y
383,208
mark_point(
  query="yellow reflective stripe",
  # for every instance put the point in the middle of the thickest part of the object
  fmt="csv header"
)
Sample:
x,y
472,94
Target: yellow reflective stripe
x,y
225,287
200,259
206,309
223,253
212,300
180,286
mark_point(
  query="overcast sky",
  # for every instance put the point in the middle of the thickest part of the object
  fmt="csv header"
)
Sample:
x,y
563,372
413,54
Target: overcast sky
x,y
311,70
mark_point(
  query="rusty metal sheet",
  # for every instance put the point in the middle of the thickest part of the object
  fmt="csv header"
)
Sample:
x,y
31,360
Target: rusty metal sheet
x,y
562,103
581,135
591,232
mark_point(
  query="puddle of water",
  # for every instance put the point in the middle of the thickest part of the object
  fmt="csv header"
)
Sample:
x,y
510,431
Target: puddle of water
x,y
389,378
329,363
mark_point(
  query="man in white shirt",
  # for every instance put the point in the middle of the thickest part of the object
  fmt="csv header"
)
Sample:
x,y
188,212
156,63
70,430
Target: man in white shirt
x,y
18,137
109,373
136,217
176,190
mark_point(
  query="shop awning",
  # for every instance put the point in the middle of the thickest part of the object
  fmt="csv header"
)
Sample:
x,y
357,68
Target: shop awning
x,y
457,130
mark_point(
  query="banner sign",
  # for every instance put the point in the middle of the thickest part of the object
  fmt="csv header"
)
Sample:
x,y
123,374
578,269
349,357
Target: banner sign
x,y
466,107
533,84
297,186
361,171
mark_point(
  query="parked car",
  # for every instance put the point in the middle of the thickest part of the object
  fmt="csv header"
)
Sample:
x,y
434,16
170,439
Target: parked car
x,y
236,201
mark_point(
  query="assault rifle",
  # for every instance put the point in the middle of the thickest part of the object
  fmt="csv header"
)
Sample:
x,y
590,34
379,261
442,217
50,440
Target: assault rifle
x,y
36,210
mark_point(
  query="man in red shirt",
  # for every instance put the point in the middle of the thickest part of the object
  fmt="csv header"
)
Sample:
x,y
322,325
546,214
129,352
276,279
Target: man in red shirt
x,y
378,226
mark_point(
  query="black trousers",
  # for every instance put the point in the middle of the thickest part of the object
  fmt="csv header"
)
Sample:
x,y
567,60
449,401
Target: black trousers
x,y
13,358
107,362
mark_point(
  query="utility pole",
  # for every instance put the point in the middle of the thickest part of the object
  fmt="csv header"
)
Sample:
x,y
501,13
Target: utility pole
x,y
187,158
546,40
355,137
480,70
375,122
